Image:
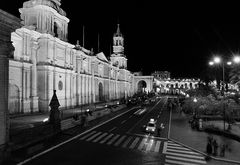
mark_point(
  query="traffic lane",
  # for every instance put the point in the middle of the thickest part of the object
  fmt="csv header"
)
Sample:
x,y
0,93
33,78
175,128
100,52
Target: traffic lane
x,y
122,123
127,125
87,153
164,117
117,121
137,128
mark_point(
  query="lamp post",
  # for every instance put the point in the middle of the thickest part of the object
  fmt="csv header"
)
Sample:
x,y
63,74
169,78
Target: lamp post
x,y
195,101
217,60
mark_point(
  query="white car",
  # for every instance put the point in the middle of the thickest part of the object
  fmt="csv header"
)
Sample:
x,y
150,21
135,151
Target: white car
x,y
151,126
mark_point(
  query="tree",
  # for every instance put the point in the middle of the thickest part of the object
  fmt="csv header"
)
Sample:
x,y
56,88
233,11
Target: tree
x,y
234,75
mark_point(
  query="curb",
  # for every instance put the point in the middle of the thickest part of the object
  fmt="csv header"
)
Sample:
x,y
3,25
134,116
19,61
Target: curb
x,y
213,157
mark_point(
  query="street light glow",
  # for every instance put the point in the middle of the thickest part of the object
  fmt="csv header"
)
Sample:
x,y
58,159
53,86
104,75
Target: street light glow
x,y
211,63
217,60
236,59
229,63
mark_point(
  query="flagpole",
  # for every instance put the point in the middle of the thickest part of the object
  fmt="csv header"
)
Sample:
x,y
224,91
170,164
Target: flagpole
x,y
98,42
83,37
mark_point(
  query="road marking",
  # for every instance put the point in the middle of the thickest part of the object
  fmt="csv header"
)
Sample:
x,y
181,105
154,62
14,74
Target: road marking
x,y
71,139
187,156
179,163
106,138
95,135
127,141
100,137
164,148
87,135
180,148
144,136
187,152
157,146
142,143
174,144
113,139
189,160
120,140
123,121
134,143
149,145
112,129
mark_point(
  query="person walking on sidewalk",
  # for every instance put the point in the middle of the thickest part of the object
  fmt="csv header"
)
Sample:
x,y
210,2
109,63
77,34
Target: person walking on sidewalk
x,y
209,148
215,147
222,150
210,139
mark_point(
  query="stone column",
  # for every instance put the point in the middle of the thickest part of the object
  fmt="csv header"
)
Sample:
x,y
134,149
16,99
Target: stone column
x,y
93,90
85,89
4,80
82,92
80,89
90,89
34,97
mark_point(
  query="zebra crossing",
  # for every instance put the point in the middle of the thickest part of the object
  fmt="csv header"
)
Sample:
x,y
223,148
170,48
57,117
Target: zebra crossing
x,y
145,144
179,155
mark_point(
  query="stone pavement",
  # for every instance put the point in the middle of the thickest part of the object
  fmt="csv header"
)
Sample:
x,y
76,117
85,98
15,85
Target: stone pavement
x,y
182,132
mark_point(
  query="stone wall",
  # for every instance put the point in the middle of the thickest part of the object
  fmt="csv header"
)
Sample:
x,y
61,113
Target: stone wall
x,y
8,23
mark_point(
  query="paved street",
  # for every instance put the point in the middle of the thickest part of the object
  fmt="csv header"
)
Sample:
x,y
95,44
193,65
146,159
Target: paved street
x,y
122,141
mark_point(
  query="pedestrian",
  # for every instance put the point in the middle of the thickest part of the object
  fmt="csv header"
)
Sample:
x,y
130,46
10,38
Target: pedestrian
x,y
209,148
210,139
159,131
215,147
83,120
222,150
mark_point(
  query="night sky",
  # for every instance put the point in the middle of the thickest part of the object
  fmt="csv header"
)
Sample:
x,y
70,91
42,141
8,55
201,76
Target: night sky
x,y
178,37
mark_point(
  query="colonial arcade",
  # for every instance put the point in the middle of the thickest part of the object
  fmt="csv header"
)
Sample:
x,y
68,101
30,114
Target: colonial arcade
x,y
44,61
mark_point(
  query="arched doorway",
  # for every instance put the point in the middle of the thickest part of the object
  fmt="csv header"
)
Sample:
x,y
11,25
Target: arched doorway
x,y
14,99
142,85
100,90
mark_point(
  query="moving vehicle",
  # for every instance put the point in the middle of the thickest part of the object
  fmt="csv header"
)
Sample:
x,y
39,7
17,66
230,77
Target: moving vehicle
x,y
151,126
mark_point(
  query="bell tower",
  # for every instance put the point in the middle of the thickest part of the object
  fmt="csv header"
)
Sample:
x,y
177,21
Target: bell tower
x,y
45,16
118,58
118,42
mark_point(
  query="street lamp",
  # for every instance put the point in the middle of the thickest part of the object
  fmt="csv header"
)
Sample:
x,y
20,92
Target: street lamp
x,y
195,101
218,60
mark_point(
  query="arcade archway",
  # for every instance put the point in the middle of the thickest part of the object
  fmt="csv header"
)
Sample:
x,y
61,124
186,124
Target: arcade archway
x,y
142,85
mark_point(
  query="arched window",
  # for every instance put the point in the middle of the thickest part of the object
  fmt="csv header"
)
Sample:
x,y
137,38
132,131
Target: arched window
x,y
55,30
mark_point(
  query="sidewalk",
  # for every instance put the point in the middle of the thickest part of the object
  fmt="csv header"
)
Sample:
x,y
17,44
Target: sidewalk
x,y
235,128
21,122
183,133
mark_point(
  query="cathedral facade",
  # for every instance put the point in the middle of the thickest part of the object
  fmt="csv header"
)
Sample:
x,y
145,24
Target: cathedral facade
x,y
44,61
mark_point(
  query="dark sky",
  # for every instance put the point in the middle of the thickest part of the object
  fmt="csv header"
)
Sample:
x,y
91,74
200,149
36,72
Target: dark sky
x,y
178,37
